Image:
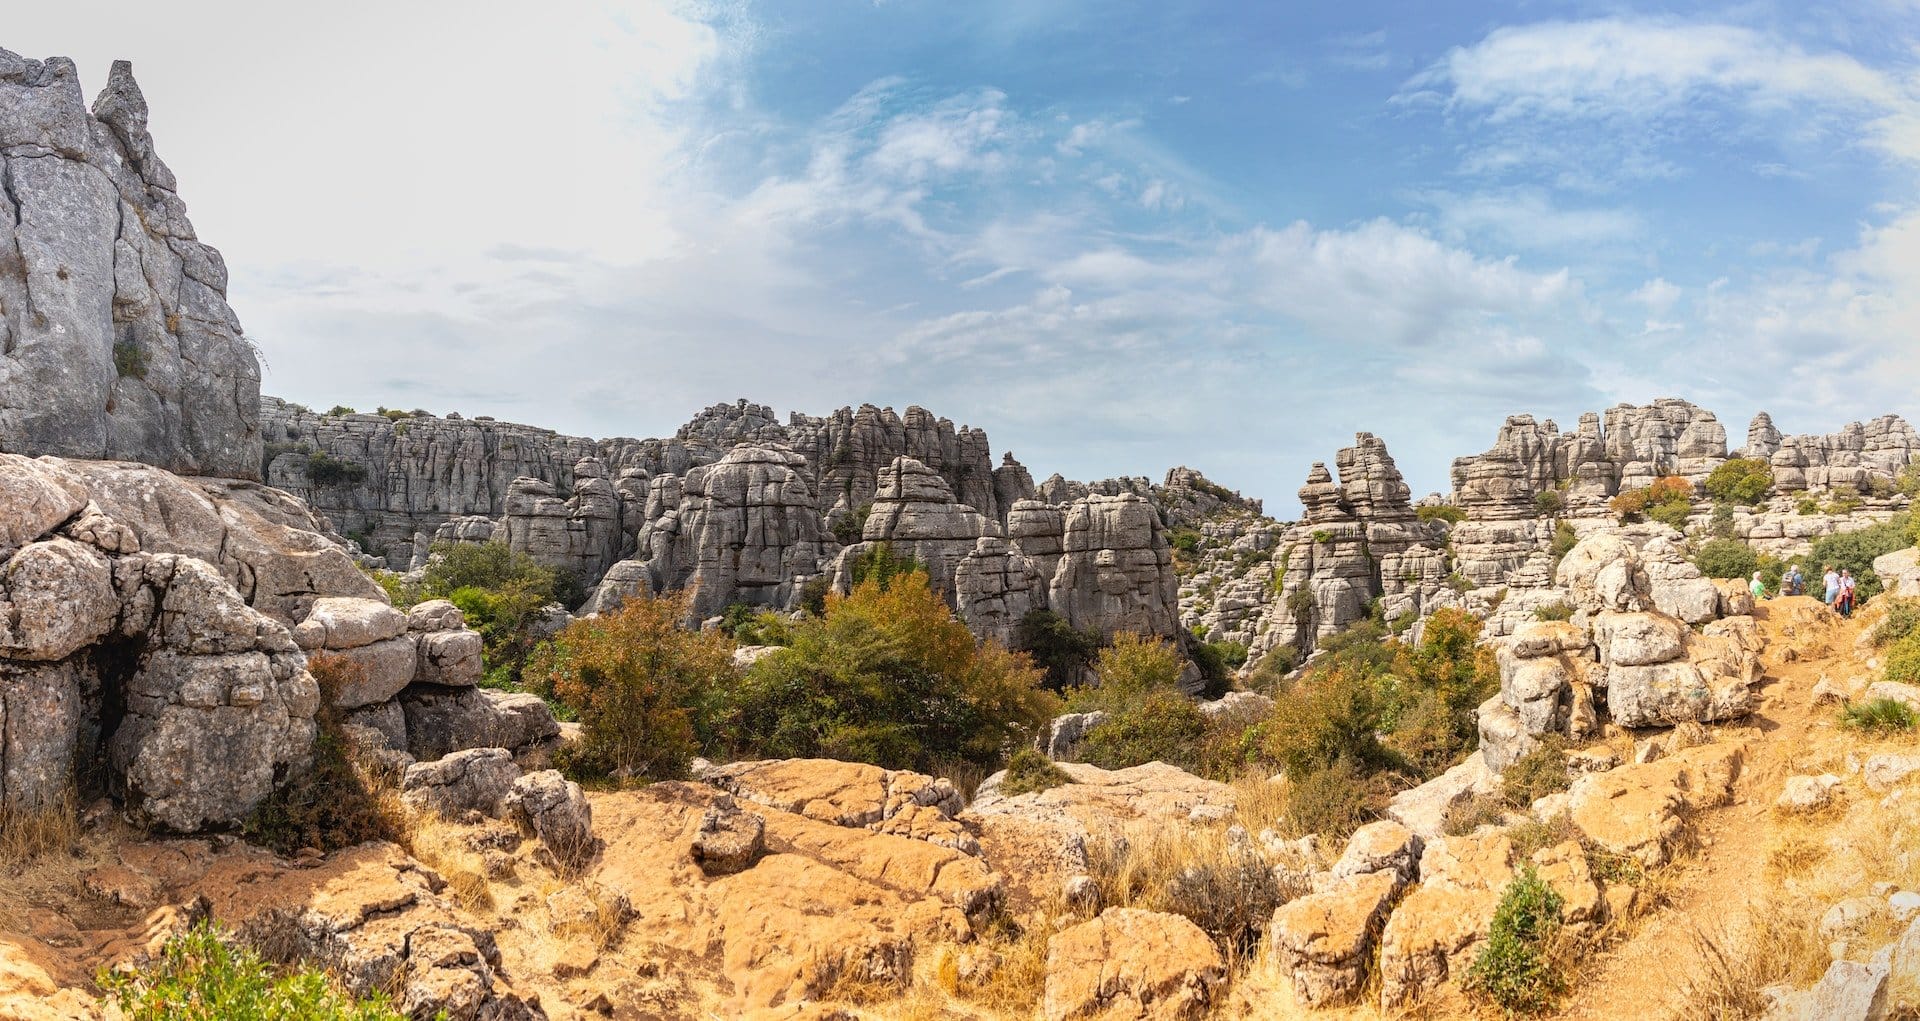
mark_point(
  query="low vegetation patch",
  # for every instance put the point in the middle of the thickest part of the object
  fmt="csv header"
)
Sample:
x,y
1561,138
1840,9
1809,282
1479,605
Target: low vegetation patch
x,y
203,975
1741,480
1902,617
1537,774
1669,500
1726,558
1878,716
336,803
1029,772
328,471
1554,611
1221,883
644,685
886,675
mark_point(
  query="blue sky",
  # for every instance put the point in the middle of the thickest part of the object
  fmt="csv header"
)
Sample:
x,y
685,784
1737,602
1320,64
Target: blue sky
x,y
1118,236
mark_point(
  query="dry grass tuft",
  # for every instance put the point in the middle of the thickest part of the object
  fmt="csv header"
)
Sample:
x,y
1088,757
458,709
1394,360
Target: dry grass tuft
x,y
1778,946
26,836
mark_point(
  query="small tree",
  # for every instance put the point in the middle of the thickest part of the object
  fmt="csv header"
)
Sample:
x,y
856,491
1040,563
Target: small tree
x,y
1514,969
1741,480
1131,668
1057,646
642,683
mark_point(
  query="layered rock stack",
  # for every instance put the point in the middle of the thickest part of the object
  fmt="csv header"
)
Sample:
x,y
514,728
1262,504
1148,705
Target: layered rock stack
x,y
914,513
115,336
1360,540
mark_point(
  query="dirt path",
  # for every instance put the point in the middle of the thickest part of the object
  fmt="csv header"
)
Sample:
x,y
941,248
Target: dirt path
x,y
1714,890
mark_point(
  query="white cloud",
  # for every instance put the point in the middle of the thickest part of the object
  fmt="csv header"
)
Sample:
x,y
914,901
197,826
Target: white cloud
x,y
1658,295
1644,71
1528,218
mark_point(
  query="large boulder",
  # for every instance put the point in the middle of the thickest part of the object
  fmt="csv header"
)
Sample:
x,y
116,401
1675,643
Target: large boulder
x,y
443,720
475,780
554,809
1132,963
1325,940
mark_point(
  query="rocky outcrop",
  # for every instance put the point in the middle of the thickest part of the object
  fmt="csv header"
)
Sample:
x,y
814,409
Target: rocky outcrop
x,y
1132,963
116,340
1623,656
133,670
1115,571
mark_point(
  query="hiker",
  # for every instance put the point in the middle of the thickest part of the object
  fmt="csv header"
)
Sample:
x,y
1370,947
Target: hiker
x,y
1795,583
1846,593
1833,588
1758,587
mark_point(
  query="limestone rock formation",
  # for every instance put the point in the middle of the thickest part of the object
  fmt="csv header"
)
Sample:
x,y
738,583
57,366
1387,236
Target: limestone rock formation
x,y
1132,963
741,530
116,340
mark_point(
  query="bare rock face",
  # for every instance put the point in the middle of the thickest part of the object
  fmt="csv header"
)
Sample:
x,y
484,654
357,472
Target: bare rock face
x,y
850,449
1115,571
995,586
115,336
1854,456
743,530
581,534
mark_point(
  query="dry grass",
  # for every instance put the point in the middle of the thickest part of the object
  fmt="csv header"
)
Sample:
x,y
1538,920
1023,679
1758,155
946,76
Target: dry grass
x,y
1259,802
42,858
1000,974
1219,880
442,847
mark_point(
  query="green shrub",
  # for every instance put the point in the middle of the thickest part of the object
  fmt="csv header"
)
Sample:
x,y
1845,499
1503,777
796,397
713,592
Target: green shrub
x,y
813,594
1442,512
1059,648
1326,718
879,563
1554,611
1856,551
1564,540
1185,540
200,975
1903,660
1335,800
338,410
1878,716
1321,535
1549,502
1673,513
130,358
328,471
1726,558
848,527
1740,480
1129,670
1514,968
1902,617
1907,483
1164,726
887,675
1217,662
645,687
1270,673
1466,815
748,624
1029,771
1536,774
1720,526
